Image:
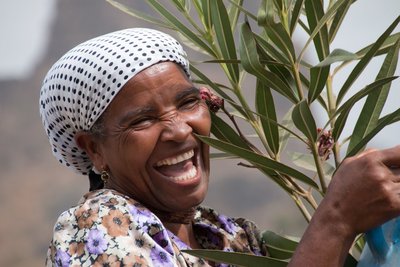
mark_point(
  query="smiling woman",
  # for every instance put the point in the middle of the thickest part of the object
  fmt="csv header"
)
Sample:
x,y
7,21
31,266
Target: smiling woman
x,y
122,109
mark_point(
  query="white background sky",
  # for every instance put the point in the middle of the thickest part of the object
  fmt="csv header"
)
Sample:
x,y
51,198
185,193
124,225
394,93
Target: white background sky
x,y
25,26
24,29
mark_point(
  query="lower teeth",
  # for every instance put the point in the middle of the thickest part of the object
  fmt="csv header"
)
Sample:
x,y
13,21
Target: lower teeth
x,y
187,176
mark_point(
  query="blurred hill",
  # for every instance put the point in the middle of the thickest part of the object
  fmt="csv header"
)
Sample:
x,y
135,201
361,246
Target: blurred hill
x,y
35,188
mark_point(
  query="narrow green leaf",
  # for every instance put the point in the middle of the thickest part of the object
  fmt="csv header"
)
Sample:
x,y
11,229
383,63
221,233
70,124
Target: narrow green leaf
x,y
318,77
279,241
295,15
224,132
266,107
180,4
224,36
390,41
314,13
339,124
137,14
304,120
234,12
363,92
307,162
389,119
257,159
222,156
365,60
236,258
344,109
271,50
266,12
321,24
279,36
375,102
284,135
251,63
179,26
338,19
336,56
279,253
205,5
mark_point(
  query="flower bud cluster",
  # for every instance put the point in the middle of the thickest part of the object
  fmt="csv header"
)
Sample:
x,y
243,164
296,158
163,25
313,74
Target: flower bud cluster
x,y
325,143
213,101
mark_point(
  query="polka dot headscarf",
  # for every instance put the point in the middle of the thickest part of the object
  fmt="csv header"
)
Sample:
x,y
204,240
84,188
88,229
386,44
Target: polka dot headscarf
x,y
82,83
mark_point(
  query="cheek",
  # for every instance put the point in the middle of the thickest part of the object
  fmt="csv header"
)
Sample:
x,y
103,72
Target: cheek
x,y
201,121
134,148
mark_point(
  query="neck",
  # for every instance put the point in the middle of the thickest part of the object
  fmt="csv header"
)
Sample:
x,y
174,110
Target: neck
x,y
184,232
181,217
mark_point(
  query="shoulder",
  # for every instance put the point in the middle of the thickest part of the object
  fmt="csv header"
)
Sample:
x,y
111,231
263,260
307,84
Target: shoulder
x,y
105,227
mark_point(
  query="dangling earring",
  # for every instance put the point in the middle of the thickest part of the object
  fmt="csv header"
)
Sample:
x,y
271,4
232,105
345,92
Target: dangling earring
x,y
104,177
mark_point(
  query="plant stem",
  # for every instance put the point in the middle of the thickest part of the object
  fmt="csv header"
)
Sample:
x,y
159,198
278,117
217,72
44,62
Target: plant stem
x,y
318,164
331,111
295,69
306,214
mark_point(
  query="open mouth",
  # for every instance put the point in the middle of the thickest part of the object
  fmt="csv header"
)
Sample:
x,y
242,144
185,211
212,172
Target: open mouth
x,y
178,168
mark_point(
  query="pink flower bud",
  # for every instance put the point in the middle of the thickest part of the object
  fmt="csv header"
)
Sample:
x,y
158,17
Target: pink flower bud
x,y
325,143
213,101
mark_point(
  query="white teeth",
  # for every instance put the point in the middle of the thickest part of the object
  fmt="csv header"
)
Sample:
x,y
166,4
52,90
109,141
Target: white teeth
x,y
187,176
177,159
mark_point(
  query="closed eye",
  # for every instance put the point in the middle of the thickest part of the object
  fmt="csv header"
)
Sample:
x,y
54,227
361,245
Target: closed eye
x,y
142,123
190,102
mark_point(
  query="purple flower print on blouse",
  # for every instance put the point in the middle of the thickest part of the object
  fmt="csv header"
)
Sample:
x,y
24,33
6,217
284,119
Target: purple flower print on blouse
x,y
227,224
96,243
143,217
160,257
62,258
163,240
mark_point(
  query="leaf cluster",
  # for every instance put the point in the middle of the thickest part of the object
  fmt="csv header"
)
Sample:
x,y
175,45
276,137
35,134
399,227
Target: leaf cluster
x,y
260,45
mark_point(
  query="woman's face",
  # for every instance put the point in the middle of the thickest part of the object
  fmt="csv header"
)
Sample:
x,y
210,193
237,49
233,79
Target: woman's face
x,y
149,147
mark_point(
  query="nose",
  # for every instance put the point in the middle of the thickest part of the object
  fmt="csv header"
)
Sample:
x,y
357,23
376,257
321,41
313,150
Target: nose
x,y
176,128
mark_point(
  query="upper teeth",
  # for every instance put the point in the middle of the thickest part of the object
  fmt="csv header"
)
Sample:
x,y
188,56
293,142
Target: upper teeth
x,y
177,159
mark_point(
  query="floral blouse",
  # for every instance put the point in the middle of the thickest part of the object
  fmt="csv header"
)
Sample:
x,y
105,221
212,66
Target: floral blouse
x,y
109,229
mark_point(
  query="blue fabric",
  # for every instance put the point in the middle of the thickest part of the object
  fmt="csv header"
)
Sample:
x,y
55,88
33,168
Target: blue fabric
x,y
383,246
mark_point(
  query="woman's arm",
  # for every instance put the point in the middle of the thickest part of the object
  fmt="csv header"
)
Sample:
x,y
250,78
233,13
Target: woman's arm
x,y
364,193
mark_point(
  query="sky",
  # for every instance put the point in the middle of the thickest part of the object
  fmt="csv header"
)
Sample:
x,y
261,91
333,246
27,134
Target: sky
x,y
24,27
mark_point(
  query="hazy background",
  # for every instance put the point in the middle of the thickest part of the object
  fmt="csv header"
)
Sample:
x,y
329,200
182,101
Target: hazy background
x,y
35,189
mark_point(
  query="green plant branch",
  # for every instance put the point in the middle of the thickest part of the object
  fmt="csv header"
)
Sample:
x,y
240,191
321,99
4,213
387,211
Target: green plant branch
x,y
297,78
318,165
332,119
303,209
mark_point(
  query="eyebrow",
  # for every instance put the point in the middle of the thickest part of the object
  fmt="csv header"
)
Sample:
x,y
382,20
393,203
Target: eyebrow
x,y
189,91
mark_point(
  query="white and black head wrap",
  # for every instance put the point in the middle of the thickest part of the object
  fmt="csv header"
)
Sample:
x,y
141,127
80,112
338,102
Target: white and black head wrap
x,y
82,83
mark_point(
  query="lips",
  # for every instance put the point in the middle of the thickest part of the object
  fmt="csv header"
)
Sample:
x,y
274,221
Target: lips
x,y
178,168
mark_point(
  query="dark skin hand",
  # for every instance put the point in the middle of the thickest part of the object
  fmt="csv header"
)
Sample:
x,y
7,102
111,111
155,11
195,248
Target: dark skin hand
x,y
364,193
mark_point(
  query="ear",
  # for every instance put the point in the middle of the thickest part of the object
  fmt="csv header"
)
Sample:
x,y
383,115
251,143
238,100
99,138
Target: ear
x,y
91,145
